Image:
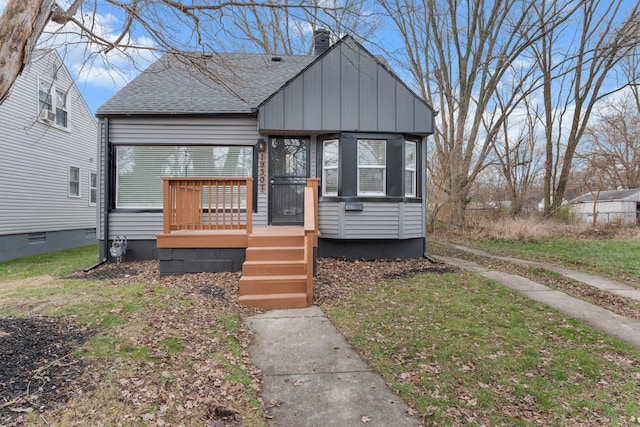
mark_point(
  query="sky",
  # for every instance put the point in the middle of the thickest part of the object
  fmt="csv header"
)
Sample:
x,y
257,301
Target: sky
x,y
99,76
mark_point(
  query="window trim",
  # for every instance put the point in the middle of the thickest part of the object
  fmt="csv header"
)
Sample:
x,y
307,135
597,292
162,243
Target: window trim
x,y
383,192
54,91
325,168
78,183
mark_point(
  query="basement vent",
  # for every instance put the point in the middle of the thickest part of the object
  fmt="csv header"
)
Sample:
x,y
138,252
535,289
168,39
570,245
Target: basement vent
x,y
276,58
35,238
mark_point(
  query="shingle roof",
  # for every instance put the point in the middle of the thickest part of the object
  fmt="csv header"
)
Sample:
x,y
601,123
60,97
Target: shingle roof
x,y
220,83
605,196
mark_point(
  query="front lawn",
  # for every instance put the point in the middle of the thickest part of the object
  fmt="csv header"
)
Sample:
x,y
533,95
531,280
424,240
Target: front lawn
x,y
463,350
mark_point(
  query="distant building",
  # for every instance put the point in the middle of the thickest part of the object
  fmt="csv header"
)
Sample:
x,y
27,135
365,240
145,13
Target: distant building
x,y
48,168
618,207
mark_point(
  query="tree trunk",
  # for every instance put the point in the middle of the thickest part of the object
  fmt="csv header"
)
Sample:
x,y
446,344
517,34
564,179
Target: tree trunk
x,y
21,24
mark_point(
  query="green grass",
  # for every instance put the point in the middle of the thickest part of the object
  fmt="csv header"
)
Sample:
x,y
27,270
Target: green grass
x,y
53,263
463,350
612,258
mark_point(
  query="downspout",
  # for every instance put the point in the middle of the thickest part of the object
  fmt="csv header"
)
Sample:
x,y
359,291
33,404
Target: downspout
x,y
106,163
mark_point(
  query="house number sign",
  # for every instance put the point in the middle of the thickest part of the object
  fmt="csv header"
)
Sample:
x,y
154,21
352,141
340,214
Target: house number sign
x,y
262,179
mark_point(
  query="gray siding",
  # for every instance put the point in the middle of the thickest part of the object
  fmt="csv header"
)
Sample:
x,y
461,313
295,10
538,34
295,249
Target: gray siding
x,y
175,131
346,90
35,157
375,221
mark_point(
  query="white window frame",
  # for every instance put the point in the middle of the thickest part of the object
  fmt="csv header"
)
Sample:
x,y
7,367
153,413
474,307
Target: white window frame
x,y
93,188
55,103
412,169
77,183
327,167
362,166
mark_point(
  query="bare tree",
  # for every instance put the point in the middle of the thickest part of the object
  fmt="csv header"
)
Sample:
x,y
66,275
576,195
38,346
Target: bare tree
x,y
612,143
600,34
459,54
518,155
166,25
281,30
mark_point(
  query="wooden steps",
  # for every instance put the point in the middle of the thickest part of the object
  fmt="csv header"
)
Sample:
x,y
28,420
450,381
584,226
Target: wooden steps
x,y
274,274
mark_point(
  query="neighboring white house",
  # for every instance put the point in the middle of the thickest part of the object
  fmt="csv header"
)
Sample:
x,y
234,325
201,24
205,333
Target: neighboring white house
x,y
48,168
618,207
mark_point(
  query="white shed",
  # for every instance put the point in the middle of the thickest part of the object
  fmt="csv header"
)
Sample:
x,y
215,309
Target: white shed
x,y
618,207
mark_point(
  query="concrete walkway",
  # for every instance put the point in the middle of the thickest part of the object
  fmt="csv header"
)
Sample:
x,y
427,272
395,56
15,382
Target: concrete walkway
x,y
312,376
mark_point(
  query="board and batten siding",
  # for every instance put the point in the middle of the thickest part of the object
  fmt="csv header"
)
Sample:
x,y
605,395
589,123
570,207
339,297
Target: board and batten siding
x,y
375,221
346,90
35,156
174,131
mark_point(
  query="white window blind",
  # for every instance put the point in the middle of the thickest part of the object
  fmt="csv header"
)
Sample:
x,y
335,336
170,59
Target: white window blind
x,y
139,169
410,161
372,163
330,153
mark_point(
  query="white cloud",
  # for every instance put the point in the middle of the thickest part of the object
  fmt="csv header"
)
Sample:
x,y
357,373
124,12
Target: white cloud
x,y
86,60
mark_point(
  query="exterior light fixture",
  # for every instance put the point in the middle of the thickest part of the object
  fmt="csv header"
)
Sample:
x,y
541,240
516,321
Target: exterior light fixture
x,y
261,145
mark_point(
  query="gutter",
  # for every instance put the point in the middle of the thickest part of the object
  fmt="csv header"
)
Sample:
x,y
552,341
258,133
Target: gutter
x,y
106,162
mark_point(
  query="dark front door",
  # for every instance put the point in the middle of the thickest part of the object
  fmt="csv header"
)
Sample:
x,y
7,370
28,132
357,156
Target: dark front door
x,y
288,172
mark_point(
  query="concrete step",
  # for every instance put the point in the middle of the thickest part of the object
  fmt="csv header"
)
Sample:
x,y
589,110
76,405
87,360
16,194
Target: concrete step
x,y
261,285
274,268
288,300
278,253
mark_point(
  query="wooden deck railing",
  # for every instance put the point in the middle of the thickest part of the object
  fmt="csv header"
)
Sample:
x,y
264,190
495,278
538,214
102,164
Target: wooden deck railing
x,y
310,231
207,204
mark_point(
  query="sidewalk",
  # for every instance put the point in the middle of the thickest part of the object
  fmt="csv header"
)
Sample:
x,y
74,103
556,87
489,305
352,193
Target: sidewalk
x,y
312,376
603,320
601,283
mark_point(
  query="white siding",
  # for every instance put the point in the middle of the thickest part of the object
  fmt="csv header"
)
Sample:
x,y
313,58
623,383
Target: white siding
x,y
35,157
176,131
375,221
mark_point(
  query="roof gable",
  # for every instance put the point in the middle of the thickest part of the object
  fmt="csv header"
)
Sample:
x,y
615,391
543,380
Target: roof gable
x,y
346,88
219,83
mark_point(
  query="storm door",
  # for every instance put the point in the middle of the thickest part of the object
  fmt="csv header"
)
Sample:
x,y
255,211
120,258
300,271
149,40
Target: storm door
x,y
288,172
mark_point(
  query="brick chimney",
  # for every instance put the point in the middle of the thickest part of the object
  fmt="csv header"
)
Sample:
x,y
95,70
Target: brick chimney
x,y
321,41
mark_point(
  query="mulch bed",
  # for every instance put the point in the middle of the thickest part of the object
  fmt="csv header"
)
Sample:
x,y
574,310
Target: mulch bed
x,y
36,363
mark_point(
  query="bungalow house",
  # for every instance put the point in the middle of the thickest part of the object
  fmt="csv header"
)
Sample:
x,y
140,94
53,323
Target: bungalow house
x,y
48,165
232,161
617,207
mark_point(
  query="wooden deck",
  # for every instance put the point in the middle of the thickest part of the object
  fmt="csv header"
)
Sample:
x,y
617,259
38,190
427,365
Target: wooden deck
x,y
278,267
